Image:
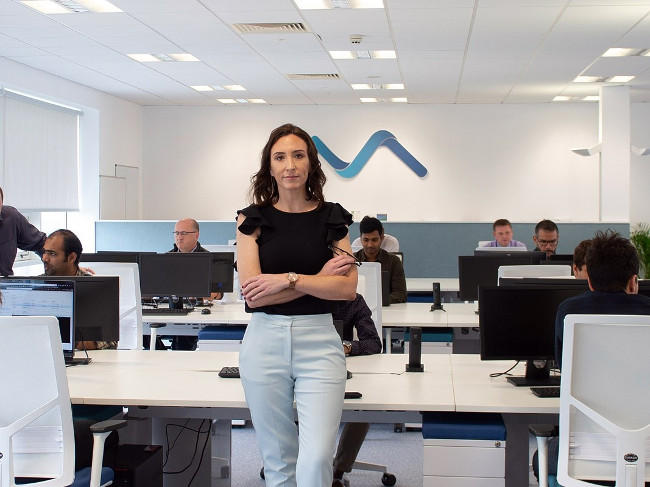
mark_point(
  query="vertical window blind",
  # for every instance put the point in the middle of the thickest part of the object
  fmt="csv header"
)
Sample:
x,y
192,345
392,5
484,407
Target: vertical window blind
x,y
41,155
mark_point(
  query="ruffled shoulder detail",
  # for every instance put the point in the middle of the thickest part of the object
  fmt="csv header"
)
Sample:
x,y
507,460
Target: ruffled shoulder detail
x,y
337,223
254,219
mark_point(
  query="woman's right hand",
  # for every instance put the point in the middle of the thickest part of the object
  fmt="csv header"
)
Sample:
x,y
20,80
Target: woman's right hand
x,y
339,265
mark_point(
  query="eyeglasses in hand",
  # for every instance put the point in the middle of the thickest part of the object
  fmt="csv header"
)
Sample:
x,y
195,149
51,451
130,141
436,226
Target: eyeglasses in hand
x,y
340,251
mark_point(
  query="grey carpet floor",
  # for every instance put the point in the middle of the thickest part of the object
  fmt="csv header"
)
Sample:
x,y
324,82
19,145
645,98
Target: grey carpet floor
x,y
400,452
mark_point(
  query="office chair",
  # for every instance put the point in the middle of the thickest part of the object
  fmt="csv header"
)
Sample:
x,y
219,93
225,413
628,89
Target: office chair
x,y
604,416
36,432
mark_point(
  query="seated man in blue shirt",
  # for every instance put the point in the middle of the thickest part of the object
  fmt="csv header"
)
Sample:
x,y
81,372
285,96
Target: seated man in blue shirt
x,y
502,233
612,268
354,314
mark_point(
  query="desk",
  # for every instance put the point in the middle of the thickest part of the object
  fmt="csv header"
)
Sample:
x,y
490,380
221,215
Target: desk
x,y
456,315
165,384
191,323
476,391
425,284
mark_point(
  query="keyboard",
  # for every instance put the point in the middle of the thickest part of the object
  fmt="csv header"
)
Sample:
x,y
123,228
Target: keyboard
x,y
551,391
165,311
229,372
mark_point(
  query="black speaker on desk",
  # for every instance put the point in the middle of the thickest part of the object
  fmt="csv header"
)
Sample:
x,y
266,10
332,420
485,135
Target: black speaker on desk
x,y
415,350
437,299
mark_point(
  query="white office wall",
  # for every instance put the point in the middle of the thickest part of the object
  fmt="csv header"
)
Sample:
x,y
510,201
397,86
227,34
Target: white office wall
x,y
640,165
484,161
111,133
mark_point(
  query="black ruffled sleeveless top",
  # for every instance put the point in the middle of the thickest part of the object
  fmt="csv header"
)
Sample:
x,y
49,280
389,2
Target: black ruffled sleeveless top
x,y
296,242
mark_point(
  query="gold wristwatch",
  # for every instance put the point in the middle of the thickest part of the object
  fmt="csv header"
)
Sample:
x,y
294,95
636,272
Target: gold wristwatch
x,y
293,279
347,347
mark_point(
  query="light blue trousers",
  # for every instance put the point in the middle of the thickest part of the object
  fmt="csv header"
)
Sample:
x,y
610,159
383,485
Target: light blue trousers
x,y
283,357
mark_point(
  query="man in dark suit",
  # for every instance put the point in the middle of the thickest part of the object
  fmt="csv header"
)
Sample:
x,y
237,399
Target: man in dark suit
x,y
612,272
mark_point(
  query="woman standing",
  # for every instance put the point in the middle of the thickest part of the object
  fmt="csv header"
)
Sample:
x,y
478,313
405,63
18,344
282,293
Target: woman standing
x,y
294,262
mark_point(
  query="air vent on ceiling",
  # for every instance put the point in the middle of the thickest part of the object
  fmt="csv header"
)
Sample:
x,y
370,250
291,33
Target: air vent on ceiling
x,y
300,76
271,28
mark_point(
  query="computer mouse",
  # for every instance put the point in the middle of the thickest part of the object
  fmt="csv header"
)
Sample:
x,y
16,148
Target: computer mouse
x,y
206,311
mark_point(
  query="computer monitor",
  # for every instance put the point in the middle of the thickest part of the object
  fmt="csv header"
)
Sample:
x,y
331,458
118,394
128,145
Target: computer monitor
x,y
482,270
544,281
518,323
223,270
562,257
176,274
97,306
110,256
42,297
534,256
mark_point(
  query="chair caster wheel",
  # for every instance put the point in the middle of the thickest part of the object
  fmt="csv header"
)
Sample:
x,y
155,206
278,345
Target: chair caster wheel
x,y
262,473
388,479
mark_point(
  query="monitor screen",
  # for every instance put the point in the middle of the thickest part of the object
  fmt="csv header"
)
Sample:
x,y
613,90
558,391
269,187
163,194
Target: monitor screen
x,y
544,281
176,274
97,306
110,256
113,256
42,297
223,270
482,270
518,322
562,257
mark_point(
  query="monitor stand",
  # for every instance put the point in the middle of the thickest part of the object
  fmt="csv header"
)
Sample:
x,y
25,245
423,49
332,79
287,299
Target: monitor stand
x,y
537,375
175,302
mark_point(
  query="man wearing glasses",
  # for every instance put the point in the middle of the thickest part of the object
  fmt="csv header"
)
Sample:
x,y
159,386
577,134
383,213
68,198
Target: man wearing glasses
x,y
186,236
186,240
546,237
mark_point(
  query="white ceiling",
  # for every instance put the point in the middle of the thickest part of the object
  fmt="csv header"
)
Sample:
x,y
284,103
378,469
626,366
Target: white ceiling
x,y
448,51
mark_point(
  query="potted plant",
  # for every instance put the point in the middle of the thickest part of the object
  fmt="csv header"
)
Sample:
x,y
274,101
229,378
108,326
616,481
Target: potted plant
x,y
640,238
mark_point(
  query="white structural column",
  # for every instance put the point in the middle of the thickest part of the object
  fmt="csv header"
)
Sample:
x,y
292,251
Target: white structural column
x,y
615,154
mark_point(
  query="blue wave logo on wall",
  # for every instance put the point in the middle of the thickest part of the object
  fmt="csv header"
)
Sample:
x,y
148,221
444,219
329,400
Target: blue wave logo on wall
x,y
381,138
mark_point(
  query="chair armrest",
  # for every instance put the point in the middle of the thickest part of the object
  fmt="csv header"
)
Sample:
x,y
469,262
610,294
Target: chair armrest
x,y
543,430
108,425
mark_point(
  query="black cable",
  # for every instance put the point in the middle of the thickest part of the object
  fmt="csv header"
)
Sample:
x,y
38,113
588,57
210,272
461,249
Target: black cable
x,y
169,448
205,444
507,372
196,445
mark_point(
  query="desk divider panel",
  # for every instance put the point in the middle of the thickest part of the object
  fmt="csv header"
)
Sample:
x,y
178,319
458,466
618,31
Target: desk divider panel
x,y
430,249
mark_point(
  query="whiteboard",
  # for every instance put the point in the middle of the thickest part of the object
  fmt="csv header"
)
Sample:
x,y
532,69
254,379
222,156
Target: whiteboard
x,y
112,198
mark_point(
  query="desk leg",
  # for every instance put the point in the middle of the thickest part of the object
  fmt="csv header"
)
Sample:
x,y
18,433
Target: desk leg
x,y
178,437
388,340
221,453
517,455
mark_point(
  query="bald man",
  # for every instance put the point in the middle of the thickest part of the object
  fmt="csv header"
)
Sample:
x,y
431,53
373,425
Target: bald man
x,y
186,236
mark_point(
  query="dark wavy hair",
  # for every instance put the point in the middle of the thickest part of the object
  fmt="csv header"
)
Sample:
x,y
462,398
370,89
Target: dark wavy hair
x,y
264,190
611,261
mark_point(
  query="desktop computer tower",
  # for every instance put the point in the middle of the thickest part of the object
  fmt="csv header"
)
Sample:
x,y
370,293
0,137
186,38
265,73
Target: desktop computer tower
x,y
139,466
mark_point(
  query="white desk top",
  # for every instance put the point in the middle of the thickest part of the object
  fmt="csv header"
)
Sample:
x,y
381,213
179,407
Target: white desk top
x,y
420,314
189,379
425,284
228,313
476,391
